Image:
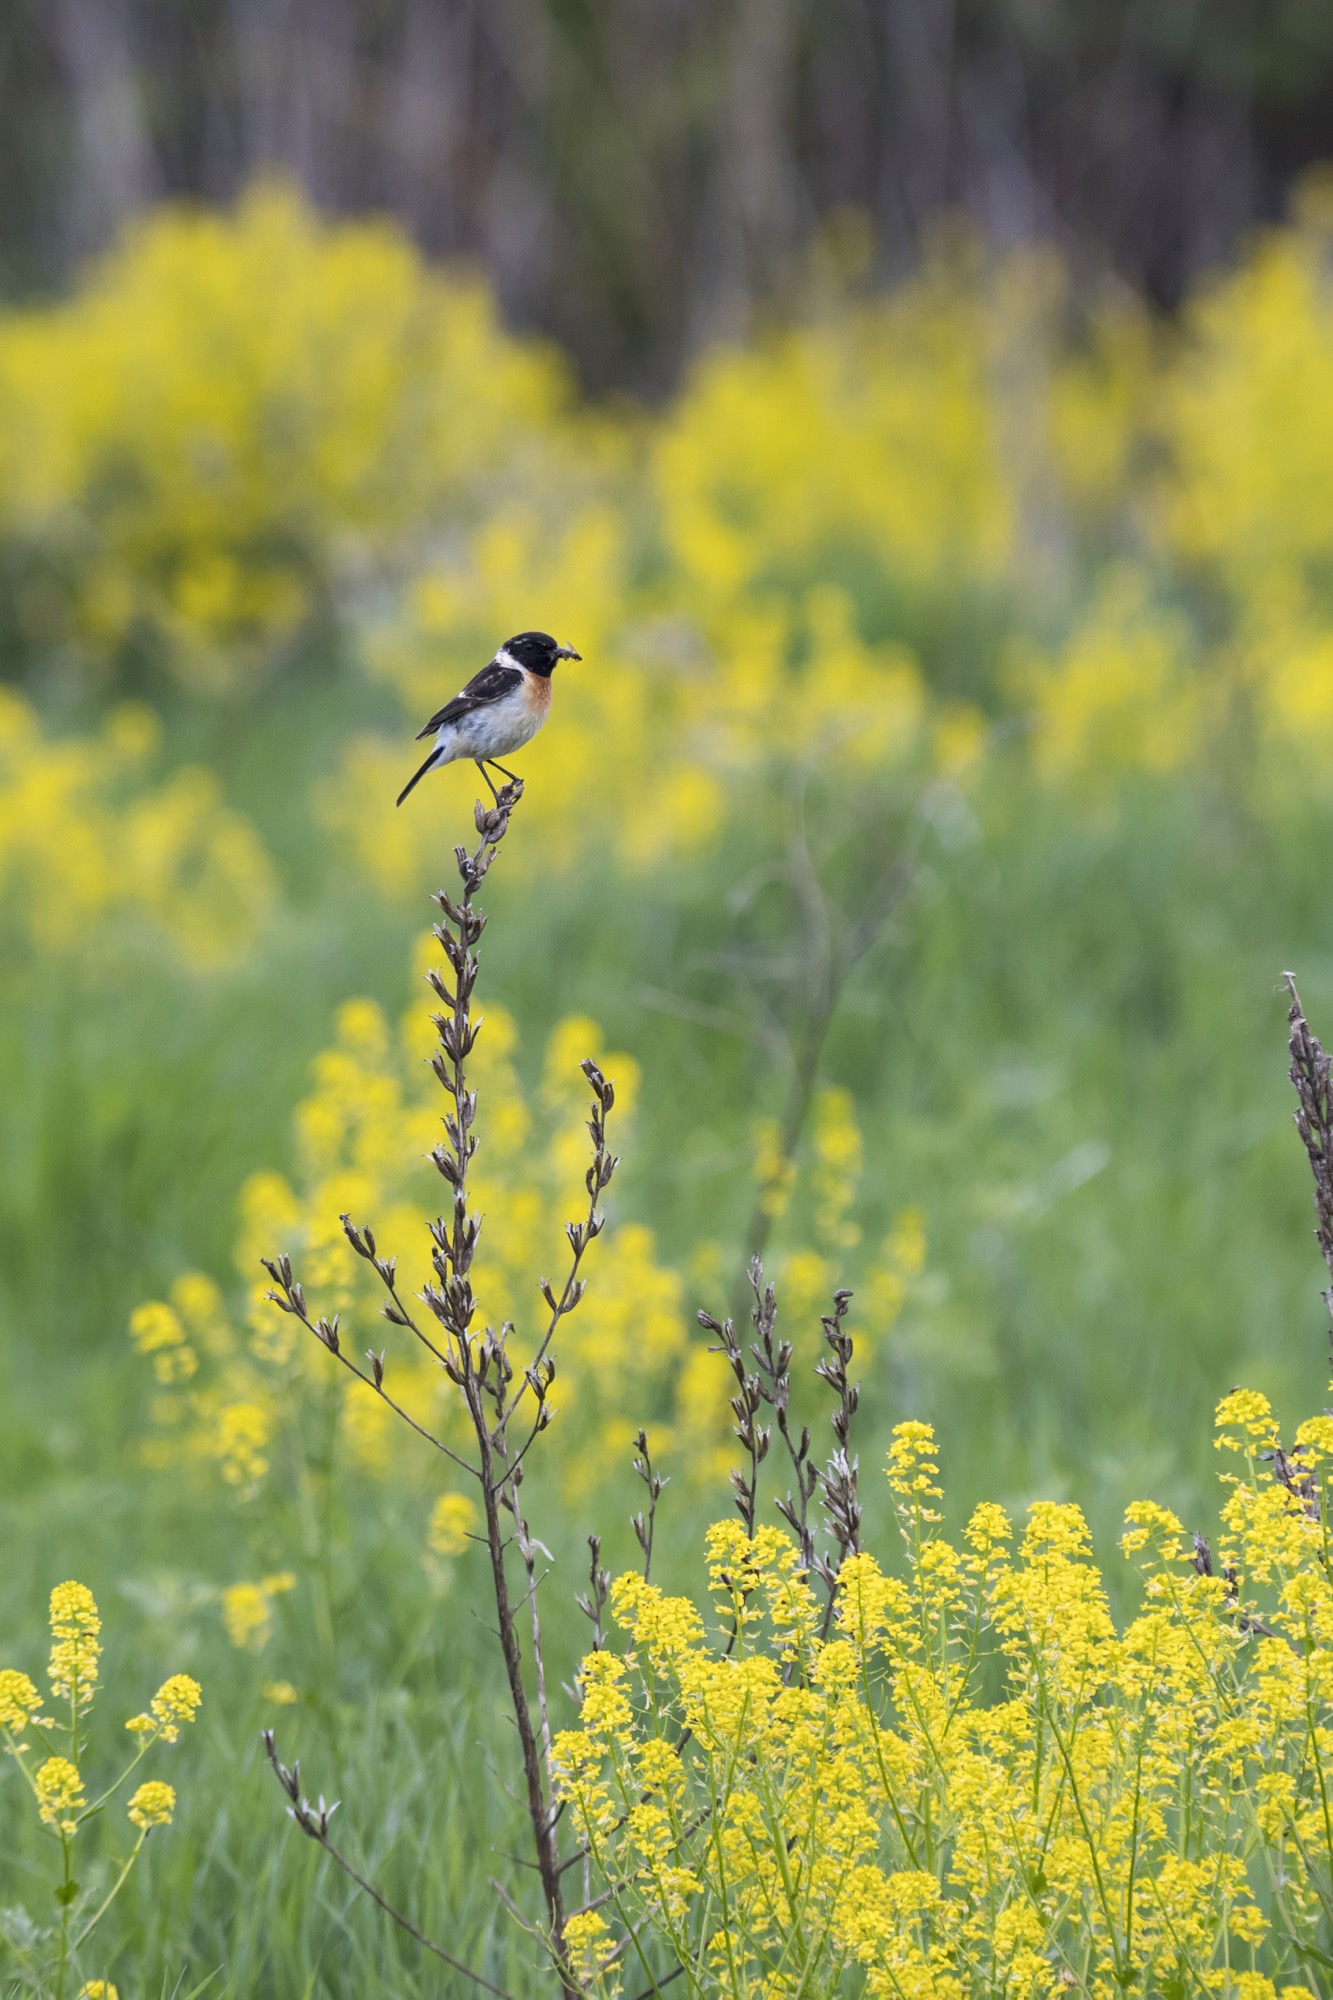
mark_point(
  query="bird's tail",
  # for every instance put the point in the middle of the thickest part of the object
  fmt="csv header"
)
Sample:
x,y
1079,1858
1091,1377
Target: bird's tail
x,y
417,776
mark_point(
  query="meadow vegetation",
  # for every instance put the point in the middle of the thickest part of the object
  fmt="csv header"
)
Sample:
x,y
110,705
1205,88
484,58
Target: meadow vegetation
x,y
917,850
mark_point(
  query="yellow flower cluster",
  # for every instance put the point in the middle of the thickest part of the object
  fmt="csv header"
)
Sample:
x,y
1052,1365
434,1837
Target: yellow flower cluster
x,y
247,1610
948,433
245,1391
239,1394
174,1703
75,1647
206,472
19,1701
84,840
56,1778
967,1780
453,1520
60,1794
1237,410
152,1805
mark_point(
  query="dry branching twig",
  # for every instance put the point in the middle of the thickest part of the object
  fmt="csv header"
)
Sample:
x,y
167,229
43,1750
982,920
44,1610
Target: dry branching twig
x,y
1310,1073
508,1406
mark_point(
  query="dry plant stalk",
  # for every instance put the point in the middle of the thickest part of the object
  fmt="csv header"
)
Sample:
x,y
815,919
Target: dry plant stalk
x,y
768,1381
1313,1118
507,1407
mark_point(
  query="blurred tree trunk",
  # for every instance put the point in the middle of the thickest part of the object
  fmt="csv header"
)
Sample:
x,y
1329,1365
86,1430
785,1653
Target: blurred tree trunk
x,y
115,173
431,110
922,140
748,224
297,75
642,176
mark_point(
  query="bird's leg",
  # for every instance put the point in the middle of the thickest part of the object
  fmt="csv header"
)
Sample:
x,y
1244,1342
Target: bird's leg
x,y
500,767
481,766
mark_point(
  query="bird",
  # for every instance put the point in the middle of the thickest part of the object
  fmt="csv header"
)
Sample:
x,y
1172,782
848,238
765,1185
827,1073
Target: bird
x,y
499,710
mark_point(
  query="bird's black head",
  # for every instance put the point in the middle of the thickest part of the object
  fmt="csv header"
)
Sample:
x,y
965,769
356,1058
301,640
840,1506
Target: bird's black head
x,y
537,651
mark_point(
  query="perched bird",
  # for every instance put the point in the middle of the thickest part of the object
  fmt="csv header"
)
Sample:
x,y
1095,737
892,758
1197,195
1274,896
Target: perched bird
x,y
499,710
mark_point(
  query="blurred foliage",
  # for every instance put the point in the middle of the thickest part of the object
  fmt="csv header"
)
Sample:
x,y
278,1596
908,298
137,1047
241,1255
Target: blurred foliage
x,y
241,1391
235,418
90,853
896,497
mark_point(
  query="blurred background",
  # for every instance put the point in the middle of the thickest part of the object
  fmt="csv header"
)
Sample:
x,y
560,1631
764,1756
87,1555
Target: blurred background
x,y
920,417
640,179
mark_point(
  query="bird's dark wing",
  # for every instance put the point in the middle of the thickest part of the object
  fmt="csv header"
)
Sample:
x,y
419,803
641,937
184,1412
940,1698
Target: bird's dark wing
x,y
491,684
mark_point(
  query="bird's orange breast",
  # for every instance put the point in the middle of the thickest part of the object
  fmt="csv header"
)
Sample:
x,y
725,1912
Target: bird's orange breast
x,y
536,694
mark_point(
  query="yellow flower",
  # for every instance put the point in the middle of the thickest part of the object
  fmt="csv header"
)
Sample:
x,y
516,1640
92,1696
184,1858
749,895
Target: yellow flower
x,y
1249,1415
836,1144
1121,697
1252,1986
60,1794
75,1651
247,1610
154,1326
1315,1437
174,1703
199,1303
912,1469
247,1615
19,1700
362,1133
98,1989
73,1612
152,1805
243,1432
452,1520
587,1942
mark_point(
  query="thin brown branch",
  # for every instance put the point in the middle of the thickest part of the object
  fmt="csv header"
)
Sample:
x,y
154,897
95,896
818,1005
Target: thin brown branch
x,y
479,1363
481,1366
313,1821
386,1270
292,1300
581,1234
656,1483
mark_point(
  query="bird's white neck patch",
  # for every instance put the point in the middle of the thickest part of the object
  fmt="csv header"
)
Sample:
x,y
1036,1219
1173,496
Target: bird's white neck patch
x,y
504,658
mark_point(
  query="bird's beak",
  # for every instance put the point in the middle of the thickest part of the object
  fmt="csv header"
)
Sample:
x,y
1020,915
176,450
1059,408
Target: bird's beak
x,y
567,653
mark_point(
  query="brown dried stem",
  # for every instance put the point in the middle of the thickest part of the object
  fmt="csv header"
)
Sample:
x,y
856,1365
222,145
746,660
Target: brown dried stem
x,y
839,1482
754,1437
772,1360
655,1483
480,1366
313,1820
1310,1073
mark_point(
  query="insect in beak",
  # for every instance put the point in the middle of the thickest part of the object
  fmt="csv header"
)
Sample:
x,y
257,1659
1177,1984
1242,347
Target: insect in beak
x,y
567,653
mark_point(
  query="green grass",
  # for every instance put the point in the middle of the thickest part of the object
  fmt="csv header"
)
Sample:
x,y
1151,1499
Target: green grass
x,y
1069,1049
